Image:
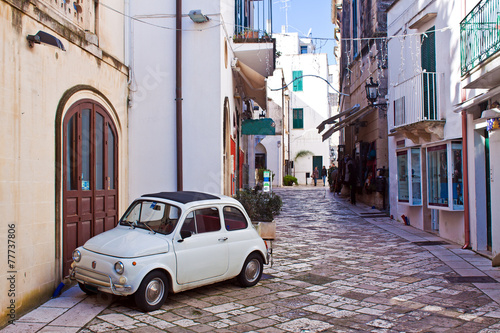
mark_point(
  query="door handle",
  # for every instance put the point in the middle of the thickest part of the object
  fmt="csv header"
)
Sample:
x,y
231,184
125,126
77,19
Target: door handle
x,y
223,239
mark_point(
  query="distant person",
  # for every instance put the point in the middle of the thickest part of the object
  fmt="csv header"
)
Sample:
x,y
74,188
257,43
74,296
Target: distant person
x,y
315,175
323,175
350,179
334,171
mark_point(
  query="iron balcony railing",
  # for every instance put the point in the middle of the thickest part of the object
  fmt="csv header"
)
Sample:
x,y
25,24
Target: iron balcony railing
x,y
479,34
418,99
253,19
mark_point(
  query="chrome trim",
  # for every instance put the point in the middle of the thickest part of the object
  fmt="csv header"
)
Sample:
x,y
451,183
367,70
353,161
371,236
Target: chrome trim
x,y
78,273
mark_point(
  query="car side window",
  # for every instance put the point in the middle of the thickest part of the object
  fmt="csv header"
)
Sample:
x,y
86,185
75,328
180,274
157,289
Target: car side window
x,y
202,220
234,219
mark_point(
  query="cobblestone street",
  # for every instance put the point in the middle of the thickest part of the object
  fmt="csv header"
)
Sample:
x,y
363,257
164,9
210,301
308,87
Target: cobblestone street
x,y
337,268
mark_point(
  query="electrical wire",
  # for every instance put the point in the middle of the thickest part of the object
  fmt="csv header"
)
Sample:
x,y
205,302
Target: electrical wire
x,y
316,76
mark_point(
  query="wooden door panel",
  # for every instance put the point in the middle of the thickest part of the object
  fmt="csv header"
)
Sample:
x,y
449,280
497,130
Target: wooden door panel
x,y
71,207
98,226
110,223
90,176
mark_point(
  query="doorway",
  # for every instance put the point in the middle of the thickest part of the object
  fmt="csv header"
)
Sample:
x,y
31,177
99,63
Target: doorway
x,y
90,176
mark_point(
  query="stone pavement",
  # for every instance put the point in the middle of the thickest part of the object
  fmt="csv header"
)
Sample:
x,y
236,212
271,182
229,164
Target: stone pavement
x,y
335,269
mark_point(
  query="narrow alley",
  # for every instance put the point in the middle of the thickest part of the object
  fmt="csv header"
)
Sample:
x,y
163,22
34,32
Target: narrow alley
x,y
336,268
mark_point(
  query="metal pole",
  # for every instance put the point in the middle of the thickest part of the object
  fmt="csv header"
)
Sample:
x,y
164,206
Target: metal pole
x,y
178,91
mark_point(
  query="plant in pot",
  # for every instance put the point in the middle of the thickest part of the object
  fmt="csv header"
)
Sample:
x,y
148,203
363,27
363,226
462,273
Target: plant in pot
x,y
261,207
289,180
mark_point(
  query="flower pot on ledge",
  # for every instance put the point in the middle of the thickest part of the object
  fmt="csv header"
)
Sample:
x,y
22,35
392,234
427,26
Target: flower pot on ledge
x,y
266,230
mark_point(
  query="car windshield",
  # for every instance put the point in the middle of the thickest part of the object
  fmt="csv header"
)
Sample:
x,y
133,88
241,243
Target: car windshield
x,y
155,216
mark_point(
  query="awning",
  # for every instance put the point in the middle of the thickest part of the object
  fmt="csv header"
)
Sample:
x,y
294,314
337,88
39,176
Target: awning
x,y
264,126
347,121
254,84
331,120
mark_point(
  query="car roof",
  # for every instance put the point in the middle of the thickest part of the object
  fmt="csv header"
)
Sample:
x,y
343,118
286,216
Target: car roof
x,y
183,197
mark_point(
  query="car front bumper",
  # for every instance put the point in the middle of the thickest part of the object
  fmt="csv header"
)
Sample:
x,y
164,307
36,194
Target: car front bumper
x,y
101,281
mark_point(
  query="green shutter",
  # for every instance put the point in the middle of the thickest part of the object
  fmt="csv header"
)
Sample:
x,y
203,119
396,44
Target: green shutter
x,y
428,55
298,118
297,84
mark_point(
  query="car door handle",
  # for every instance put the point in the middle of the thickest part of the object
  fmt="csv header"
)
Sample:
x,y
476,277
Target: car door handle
x,y
223,239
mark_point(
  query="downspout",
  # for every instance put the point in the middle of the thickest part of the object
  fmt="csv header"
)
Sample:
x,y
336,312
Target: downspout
x,y
178,90
465,173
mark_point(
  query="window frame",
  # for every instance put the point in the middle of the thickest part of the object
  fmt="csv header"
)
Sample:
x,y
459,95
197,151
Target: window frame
x,y
298,122
413,180
449,184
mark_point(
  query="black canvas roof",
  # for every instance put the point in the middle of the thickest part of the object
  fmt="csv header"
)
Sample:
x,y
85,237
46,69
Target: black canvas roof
x,y
183,196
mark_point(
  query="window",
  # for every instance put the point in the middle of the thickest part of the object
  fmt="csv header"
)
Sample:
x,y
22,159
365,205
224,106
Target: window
x,y
234,219
409,176
303,49
403,187
202,220
445,176
151,215
457,186
297,83
428,63
416,177
298,118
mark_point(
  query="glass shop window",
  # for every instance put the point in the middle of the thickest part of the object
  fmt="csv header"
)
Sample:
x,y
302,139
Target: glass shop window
x,y
403,187
457,185
416,177
444,163
409,176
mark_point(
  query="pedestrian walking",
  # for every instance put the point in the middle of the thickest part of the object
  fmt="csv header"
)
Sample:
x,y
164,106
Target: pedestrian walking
x,y
323,175
350,178
334,171
315,175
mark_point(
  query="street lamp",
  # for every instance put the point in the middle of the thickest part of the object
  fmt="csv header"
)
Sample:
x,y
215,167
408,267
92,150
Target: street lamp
x,y
371,91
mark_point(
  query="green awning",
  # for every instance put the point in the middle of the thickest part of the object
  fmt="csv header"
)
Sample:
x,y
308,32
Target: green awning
x,y
264,126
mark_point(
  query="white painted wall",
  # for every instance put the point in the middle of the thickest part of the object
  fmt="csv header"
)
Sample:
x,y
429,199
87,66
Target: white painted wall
x,y
404,62
206,81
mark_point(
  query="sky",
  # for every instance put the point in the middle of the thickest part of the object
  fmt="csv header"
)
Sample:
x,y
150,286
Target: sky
x,y
304,15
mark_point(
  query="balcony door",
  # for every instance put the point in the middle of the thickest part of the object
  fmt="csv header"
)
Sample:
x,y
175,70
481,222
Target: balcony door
x,y
90,177
428,56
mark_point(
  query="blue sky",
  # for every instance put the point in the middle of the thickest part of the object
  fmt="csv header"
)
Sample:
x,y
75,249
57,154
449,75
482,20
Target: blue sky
x,y
304,15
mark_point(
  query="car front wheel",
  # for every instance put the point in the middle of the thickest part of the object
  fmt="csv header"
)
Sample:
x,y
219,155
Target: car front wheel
x,y
252,271
152,292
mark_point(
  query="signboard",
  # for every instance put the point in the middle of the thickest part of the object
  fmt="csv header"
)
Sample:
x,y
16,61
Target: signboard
x,y
267,181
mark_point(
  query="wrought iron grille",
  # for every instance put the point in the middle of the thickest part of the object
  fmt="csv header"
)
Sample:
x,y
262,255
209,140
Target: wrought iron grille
x,y
479,34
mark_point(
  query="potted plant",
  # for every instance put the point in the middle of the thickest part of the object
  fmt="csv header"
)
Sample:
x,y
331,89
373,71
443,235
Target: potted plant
x,y
261,207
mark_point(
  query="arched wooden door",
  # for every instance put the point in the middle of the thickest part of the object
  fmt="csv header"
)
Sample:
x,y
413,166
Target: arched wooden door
x,y
90,176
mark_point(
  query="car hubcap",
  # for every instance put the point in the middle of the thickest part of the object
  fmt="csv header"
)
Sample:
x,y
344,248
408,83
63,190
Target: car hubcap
x,y
252,271
155,291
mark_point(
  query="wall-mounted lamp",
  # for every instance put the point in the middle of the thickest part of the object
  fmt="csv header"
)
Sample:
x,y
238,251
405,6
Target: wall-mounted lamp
x,y
42,37
371,91
197,17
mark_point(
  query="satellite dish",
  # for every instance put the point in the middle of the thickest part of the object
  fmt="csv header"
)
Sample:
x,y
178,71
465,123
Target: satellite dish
x,y
309,32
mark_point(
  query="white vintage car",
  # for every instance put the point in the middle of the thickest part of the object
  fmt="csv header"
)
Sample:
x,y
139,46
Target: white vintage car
x,y
171,242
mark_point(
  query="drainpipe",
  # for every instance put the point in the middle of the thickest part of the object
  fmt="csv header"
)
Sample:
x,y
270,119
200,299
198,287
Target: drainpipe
x,y
178,90
465,173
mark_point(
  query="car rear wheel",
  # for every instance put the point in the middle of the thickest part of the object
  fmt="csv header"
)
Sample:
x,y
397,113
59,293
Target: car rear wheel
x,y
152,292
87,290
252,271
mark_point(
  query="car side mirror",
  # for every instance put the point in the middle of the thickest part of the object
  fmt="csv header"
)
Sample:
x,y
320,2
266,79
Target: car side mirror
x,y
185,234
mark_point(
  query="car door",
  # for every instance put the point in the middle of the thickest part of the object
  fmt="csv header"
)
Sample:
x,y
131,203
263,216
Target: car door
x,y
203,255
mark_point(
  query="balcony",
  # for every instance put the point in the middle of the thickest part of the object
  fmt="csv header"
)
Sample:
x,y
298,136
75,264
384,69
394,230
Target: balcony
x,y
417,107
479,45
256,48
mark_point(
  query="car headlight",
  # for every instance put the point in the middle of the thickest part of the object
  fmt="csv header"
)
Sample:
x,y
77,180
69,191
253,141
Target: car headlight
x,y
119,268
77,256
